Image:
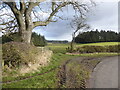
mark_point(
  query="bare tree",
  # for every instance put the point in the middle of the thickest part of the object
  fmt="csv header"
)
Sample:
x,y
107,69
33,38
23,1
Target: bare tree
x,y
79,25
24,15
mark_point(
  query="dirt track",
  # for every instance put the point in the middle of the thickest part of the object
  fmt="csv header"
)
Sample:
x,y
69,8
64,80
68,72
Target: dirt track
x,y
68,76
105,75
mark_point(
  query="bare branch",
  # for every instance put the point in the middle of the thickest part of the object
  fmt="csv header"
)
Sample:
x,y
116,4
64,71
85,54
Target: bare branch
x,y
22,6
57,9
31,6
53,6
5,23
44,23
13,7
40,23
6,28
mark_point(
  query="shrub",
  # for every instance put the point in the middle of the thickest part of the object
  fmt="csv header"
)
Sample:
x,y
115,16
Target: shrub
x,y
68,49
92,49
16,53
36,39
114,48
100,49
88,49
118,48
80,49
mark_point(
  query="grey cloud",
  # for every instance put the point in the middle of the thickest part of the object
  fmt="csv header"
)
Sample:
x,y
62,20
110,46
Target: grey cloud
x,y
56,30
103,16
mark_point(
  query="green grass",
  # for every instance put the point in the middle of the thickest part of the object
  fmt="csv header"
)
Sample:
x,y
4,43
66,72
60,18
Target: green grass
x,y
61,48
77,74
100,44
98,54
44,81
47,80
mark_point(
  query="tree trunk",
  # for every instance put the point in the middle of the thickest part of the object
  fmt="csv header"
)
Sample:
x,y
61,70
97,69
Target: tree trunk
x,y
71,46
72,43
26,36
25,27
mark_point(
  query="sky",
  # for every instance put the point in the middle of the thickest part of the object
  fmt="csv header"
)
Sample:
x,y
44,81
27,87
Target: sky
x,y
103,16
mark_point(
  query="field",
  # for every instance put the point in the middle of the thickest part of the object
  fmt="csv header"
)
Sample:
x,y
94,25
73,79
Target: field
x,y
61,48
50,79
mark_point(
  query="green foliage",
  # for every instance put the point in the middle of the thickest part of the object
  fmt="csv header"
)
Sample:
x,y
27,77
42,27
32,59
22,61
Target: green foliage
x,y
36,39
96,36
11,37
16,54
5,39
114,48
93,49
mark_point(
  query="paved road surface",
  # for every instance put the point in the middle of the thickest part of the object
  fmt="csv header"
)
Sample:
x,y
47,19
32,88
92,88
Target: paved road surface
x,y
105,74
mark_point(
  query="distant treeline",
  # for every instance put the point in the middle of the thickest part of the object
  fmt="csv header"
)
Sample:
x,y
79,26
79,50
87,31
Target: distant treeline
x,y
57,41
97,36
36,39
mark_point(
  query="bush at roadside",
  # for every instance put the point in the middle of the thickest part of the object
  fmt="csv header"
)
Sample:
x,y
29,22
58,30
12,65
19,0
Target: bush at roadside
x,y
24,56
93,49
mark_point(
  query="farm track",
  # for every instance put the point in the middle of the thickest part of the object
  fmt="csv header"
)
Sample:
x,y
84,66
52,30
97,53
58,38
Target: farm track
x,y
64,75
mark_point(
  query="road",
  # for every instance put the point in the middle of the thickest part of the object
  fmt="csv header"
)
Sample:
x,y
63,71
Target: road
x,y
105,75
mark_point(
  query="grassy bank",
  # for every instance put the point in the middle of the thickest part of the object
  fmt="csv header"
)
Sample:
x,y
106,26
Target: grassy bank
x,y
43,81
48,80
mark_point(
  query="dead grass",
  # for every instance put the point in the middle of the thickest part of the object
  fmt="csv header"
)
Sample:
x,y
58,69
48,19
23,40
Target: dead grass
x,y
21,58
43,60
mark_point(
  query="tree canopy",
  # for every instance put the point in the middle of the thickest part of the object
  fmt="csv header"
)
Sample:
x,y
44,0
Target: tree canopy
x,y
37,39
97,36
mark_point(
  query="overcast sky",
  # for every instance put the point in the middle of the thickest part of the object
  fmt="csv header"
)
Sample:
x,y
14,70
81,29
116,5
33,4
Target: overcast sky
x,y
104,16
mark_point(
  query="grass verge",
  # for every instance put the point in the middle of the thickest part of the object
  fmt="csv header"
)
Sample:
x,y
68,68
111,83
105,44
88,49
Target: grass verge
x,y
48,80
75,73
44,81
